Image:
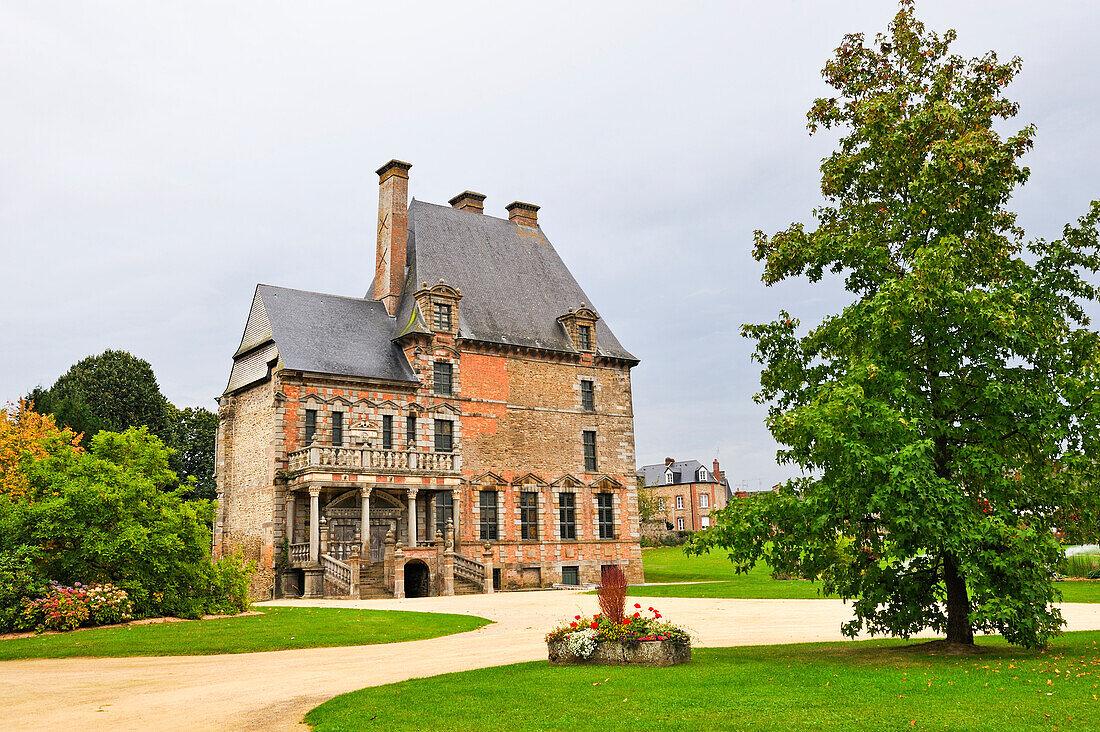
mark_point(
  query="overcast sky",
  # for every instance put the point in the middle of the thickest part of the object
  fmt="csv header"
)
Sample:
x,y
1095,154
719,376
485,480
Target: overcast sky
x,y
157,160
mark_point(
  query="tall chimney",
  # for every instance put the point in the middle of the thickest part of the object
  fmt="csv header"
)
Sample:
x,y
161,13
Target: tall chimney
x,y
393,225
717,475
524,214
469,201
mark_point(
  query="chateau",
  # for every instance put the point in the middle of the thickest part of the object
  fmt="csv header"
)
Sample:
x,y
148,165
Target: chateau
x,y
467,426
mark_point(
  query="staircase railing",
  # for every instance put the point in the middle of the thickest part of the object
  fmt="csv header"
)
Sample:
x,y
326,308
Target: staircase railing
x,y
470,570
336,571
299,552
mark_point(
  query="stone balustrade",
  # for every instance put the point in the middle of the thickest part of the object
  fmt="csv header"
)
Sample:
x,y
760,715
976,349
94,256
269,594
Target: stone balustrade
x,y
299,552
371,459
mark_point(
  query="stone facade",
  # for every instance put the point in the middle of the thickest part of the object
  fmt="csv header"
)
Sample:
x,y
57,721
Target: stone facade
x,y
519,420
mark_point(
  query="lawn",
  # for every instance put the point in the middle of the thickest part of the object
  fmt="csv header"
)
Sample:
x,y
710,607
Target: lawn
x,y
277,629
670,564
827,686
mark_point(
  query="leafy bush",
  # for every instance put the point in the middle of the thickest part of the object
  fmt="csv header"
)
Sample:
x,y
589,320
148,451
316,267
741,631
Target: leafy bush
x,y
673,538
18,581
1082,565
67,608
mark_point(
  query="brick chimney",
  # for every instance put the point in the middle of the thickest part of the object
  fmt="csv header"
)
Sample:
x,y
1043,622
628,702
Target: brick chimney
x,y
524,214
669,461
716,473
469,201
393,225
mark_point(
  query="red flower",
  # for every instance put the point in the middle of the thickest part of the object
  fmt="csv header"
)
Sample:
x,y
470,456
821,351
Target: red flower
x,y
594,626
637,605
573,624
626,621
650,609
637,615
576,617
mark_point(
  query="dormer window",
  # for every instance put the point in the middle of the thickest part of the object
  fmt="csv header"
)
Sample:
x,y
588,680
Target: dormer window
x,y
442,316
669,479
584,337
702,475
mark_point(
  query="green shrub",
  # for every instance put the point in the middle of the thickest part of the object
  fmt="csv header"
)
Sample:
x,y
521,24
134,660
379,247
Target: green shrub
x,y
1082,565
19,581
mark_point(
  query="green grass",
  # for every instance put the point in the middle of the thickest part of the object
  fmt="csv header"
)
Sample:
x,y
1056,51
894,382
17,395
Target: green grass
x,y
872,685
278,628
670,564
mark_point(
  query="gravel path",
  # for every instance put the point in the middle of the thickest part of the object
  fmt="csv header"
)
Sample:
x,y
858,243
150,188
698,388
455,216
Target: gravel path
x,y
274,690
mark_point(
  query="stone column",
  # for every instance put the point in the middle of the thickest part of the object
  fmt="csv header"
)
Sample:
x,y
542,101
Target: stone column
x,y
448,569
290,509
355,562
324,537
364,530
487,560
314,524
412,517
398,572
456,503
387,559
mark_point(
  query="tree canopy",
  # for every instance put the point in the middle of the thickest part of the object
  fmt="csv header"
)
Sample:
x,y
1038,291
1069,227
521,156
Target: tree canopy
x,y
947,417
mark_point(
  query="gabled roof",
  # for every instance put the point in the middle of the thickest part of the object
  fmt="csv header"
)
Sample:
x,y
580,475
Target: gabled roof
x,y
684,472
514,285
319,333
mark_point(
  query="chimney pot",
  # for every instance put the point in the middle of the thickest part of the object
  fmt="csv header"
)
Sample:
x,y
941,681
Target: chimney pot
x,y
469,201
524,214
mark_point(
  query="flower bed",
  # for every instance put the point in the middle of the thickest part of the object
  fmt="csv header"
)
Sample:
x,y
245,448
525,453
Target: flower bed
x,y
68,608
634,640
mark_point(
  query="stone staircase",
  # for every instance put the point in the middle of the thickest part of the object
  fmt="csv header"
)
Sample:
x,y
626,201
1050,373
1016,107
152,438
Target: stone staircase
x,y
372,582
466,587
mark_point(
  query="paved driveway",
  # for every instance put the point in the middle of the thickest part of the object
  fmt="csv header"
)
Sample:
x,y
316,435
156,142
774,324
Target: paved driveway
x,y
273,691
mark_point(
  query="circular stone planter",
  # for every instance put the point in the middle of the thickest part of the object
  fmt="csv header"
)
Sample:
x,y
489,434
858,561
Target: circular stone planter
x,y
644,653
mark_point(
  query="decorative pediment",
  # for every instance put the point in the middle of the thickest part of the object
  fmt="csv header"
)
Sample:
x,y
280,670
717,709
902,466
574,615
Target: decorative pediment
x,y
388,404
414,407
444,407
580,326
438,307
489,481
530,479
606,483
567,482
363,433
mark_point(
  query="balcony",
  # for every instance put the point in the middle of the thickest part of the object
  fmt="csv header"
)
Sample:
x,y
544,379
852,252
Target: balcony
x,y
371,460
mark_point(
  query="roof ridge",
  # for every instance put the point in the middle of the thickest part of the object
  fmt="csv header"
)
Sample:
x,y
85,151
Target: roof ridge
x,y
326,294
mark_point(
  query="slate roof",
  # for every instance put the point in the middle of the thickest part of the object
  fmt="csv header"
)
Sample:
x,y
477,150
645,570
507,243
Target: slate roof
x,y
513,283
319,333
684,472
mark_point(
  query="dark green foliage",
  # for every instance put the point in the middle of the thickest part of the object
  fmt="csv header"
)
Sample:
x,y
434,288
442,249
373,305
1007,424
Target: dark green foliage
x,y
195,432
106,516
949,415
19,578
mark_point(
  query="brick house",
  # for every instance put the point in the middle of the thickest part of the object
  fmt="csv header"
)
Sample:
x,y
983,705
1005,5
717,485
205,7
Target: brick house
x,y
466,425
686,492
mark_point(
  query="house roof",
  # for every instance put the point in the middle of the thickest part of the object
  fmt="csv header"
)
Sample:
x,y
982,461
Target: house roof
x,y
319,333
684,472
514,285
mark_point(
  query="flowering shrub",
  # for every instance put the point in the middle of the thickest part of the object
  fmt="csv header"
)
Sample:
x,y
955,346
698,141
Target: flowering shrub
x,y
631,630
67,608
582,643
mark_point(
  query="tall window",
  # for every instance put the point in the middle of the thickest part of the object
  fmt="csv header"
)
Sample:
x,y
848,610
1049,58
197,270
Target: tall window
x,y
590,451
410,431
704,500
702,475
528,515
588,396
680,524
311,425
444,435
605,516
567,515
704,521
442,316
584,335
442,379
338,428
444,510
387,432
679,501
489,516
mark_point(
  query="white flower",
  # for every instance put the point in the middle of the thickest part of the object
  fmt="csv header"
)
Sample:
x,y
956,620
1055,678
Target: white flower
x,y
582,643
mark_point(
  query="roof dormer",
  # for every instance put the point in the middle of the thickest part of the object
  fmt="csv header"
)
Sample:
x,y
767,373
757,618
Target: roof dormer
x,y
438,306
580,325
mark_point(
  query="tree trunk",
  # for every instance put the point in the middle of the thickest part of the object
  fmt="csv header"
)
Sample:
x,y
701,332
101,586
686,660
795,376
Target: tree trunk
x,y
958,604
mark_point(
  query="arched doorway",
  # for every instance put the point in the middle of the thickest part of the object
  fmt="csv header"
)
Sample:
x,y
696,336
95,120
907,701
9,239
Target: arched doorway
x,y
417,579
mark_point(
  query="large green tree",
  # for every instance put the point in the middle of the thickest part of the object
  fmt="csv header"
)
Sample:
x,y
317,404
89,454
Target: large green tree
x,y
195,434
948,416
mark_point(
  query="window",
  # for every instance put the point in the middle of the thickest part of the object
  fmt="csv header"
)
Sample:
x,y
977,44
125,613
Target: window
x,y
387,432
702,475
444,510
442,382
444,435
605,515
528,515
660,504
488,502
704,521
590,451
570,575
442,316
680,524
311,425
567,515
338,428
704,500
669,477
679,501
410,431
584,336
588,396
